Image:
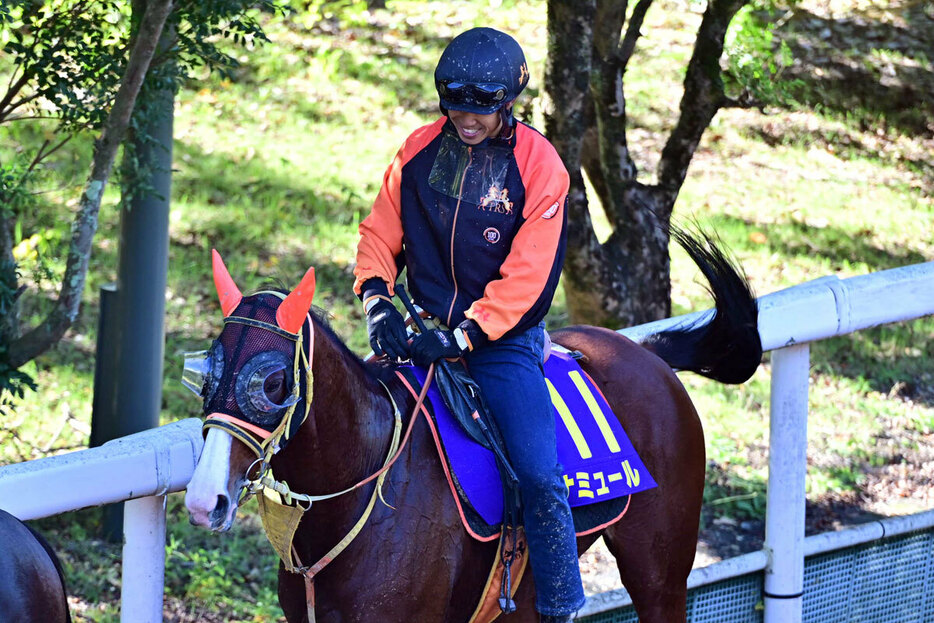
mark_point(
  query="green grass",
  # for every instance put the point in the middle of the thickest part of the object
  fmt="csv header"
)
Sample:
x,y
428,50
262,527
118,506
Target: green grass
x,y
275,167
206,573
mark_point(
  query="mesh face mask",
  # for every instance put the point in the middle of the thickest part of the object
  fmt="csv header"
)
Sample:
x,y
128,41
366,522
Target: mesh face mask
x,y
248,372
470,173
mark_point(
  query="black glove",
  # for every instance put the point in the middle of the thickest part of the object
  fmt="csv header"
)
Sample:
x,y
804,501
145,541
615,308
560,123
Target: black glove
x,y
429,347
386,328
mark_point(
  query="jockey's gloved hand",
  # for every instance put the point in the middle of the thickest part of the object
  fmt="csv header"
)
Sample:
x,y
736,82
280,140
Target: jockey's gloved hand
x,y
385,326
437,344
429,347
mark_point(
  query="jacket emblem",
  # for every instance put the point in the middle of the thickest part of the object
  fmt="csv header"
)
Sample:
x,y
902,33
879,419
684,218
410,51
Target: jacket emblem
x,y
497,200
491,235
550,212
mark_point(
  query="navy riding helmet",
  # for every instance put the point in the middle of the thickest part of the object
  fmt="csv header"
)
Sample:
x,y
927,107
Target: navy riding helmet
x,y
480,71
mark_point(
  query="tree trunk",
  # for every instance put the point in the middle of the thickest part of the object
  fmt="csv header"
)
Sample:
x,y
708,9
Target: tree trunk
x,y
9,283
567,73
625,280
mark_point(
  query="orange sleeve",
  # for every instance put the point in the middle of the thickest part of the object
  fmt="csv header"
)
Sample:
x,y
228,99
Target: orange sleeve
x,y
526,273
381,231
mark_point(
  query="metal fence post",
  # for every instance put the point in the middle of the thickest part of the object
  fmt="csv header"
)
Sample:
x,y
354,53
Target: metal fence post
x,y
143,560
784,517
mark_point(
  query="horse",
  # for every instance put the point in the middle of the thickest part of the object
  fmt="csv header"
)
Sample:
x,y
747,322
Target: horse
x,y
32,583
413,560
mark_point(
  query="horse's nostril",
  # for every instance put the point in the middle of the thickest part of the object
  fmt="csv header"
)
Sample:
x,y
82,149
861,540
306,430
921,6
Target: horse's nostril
x,y
220,509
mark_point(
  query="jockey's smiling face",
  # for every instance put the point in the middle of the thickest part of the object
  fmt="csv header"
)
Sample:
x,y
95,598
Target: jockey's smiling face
x,y
473,128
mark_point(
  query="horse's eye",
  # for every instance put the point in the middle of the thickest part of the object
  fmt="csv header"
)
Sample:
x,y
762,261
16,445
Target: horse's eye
x,y
274,386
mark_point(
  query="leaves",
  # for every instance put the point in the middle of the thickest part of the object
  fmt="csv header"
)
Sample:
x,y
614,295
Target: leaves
x,y
754,63
67,60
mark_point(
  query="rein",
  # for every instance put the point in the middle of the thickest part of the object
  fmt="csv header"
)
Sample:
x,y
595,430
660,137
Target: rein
x,y
281,509
395,450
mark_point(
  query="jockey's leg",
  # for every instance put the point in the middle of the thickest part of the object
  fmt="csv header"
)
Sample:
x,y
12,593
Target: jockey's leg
x,y
509,372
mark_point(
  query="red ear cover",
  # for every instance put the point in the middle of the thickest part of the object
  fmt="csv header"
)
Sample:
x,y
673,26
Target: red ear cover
x,y
227,290
292,311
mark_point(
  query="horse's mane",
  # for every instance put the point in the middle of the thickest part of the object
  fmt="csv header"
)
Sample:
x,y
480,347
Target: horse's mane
x,y
378,370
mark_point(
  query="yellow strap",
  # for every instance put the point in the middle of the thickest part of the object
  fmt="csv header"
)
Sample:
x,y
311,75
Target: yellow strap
x,y
377,492
266,480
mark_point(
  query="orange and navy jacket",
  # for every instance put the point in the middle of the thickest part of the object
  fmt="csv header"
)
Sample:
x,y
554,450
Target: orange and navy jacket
x,y
496,262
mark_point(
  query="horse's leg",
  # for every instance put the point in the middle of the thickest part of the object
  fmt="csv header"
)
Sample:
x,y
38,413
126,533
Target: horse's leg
x,y
654,544
654,554
292,596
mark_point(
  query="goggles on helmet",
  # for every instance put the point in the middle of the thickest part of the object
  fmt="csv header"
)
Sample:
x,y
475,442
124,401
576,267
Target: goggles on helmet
x,y
483,95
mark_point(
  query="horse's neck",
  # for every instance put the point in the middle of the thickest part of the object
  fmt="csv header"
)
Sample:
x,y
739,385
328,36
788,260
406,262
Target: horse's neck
x,y
349,426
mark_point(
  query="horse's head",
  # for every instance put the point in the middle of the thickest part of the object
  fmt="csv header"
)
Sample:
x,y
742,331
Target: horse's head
x,y
253,381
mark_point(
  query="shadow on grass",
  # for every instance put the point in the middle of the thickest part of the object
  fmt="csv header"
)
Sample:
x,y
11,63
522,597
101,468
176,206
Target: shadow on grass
x,y
866,67
399,56
257,205
733,515
839,246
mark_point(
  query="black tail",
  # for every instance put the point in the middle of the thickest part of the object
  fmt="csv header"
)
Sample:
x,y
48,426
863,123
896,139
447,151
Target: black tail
x,y
725,347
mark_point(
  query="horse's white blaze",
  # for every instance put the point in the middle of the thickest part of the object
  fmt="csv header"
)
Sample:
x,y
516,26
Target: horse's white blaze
x,y
210,480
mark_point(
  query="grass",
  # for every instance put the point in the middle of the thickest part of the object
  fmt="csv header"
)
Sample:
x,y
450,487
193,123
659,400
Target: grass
x,y
276,166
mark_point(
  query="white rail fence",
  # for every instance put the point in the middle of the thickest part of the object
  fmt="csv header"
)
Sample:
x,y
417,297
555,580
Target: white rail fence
x,y
140,469
143,468
788,321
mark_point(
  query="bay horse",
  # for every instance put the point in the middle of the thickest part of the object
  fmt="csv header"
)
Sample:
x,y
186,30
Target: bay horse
x,y
32,584
413,561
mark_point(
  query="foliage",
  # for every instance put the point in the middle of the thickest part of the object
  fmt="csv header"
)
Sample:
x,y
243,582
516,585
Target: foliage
x,y
67,60
755,59
14,199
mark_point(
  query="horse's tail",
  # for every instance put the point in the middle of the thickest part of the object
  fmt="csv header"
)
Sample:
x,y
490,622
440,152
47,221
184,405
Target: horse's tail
x,y
724,347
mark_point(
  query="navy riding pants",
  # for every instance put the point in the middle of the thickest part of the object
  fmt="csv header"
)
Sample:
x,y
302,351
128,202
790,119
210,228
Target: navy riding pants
x,y
509,373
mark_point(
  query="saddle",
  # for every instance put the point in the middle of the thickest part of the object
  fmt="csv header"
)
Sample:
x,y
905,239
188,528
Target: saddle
x,y
592,447
600,465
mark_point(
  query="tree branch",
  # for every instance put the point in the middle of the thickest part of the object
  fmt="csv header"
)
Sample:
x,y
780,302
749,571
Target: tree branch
x,y
43,154
703,94
51,329
607,26
745,100
18,104
12,91
633,32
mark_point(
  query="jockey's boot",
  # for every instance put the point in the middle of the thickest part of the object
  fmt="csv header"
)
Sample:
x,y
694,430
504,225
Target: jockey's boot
x,y
548,618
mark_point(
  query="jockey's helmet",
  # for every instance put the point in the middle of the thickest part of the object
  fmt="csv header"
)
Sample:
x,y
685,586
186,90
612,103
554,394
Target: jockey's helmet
x,y
480,71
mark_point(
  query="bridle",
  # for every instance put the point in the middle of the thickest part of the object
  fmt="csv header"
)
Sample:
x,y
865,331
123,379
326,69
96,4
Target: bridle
x,y
281,509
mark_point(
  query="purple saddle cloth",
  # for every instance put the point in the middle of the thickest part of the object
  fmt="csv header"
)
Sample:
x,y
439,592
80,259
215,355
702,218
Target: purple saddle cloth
x,y
600,466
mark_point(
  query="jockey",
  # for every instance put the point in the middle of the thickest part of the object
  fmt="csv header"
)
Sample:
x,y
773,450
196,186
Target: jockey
x,y
473,206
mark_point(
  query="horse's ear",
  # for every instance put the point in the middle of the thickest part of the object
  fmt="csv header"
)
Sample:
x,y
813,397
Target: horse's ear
x,y
292,311
227,290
